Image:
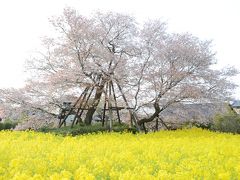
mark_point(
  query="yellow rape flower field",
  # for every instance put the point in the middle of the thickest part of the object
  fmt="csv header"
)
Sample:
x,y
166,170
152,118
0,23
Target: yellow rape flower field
x,y
181,154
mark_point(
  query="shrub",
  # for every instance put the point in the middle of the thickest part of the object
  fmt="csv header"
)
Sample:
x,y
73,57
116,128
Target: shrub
x,y
202,125
7,125
229,122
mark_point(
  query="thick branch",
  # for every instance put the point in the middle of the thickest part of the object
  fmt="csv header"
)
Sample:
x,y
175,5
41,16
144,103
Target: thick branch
x,y
154,115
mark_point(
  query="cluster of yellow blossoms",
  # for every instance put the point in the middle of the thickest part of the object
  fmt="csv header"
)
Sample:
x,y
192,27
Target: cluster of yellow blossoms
x,y
181,154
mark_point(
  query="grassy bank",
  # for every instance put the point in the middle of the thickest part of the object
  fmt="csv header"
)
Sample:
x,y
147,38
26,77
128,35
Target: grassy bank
x,y
84,129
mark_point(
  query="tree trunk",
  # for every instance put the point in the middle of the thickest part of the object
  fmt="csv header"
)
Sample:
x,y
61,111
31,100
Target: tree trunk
x,y
96,100
153,116
156,126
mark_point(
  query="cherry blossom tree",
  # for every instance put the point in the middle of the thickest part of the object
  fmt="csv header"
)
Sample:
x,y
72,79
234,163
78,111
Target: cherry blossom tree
x,y
152,68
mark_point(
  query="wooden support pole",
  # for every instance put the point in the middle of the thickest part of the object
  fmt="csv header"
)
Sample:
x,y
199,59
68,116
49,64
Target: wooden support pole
x,y
98,78
80,105
132,113
104,113
85,104
71,110
115,100
110,107
105,104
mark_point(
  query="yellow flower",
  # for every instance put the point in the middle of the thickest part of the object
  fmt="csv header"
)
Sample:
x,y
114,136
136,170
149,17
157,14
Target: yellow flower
x,y
181,154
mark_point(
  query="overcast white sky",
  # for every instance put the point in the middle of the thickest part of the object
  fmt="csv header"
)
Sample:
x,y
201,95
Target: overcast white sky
x,y
22,23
